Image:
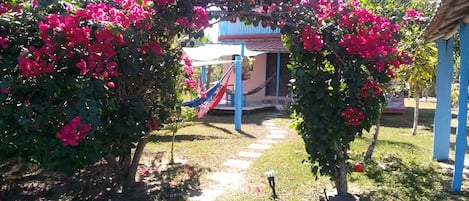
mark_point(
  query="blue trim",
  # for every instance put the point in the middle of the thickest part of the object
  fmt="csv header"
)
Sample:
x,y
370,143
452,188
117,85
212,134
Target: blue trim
x,y
238,93
227,28
461,131
277,84
442,120
203,78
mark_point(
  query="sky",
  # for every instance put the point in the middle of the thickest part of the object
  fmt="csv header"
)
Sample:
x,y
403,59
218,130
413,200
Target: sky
x,y
212,32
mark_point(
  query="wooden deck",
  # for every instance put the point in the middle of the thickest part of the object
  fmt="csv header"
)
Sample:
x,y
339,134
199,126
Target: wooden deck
x,y
226,108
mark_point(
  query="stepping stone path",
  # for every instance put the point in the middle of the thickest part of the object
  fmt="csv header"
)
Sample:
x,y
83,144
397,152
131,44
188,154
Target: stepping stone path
x,y
233,175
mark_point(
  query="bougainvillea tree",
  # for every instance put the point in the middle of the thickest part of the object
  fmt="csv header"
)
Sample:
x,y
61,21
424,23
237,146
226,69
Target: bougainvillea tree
x,y
355,54
83,82
341,56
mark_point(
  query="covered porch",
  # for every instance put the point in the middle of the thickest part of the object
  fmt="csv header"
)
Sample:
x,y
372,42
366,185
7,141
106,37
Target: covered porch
x,y
451,20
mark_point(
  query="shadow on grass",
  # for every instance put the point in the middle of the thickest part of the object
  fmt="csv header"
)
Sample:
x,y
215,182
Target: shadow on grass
x,y
98,182
426,117
180,138
251,118
246,134
224,130
408,180
452,146
401,145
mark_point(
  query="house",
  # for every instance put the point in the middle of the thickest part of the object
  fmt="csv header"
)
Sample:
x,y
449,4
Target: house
x,y
265,65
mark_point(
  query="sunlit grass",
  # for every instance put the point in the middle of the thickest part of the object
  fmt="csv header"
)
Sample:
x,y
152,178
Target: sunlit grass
x,y
409,173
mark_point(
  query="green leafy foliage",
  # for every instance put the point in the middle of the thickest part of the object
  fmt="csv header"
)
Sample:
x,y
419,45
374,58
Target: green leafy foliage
x,y
420,75
33,109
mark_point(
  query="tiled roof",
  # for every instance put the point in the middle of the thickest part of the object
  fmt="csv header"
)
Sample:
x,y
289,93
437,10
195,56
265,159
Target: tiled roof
x,y
258,42
266,45
446,21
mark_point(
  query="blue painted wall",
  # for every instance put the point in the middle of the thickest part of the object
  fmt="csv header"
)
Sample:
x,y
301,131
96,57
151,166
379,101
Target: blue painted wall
x,y
226,28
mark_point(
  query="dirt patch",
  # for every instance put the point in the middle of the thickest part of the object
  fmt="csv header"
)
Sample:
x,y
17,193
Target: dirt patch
x,y
20,181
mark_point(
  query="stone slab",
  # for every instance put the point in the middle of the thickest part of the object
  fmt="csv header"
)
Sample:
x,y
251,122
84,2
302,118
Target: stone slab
x,y
259,146
267,141
235,163
249,154
275,136
268,123
277,131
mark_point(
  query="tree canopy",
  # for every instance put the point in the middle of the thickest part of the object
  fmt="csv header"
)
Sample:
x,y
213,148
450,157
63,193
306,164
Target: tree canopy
x,y
83,81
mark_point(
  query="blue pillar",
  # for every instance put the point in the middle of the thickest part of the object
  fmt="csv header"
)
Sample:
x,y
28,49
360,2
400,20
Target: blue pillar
x,y
461,131
277,85
203,78
442,121
238,90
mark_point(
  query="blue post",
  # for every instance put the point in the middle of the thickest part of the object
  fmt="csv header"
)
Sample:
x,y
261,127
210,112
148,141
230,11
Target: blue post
x,y
203,78
277,84
238,90
461,131
442,120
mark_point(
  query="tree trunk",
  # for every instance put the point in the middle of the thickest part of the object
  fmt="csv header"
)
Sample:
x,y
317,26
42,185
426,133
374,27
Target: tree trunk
x,y
340,174
175,129
126,165
136,159
416,114
374,138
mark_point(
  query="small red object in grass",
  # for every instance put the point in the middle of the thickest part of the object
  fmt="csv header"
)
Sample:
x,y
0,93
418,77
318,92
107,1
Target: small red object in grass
x,y
358,167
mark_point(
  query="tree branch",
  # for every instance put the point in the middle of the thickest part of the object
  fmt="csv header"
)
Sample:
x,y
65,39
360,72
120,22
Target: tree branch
x,y
137,155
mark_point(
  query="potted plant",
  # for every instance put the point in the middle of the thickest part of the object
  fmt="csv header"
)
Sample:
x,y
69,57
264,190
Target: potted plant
x,y
247,65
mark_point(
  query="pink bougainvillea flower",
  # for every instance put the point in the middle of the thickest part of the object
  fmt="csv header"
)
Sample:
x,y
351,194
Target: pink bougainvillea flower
x,y
311,40
413,15
183,22
151,46
188,70
26,103
72,132
353,115
5,90
191,83
82,66
3,42
4,8
110,84
199,20
34,3
187,61
164,2
152,124
202,94
373,86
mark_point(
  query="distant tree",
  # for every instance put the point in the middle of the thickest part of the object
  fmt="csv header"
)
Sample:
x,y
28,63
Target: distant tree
x,y
413,16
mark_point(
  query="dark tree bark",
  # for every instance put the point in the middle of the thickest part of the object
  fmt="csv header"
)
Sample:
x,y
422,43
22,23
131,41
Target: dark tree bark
x,y
340,174
374,139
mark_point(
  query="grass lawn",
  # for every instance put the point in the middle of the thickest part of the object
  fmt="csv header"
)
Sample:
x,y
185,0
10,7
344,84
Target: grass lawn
x,y
402,168
409,172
